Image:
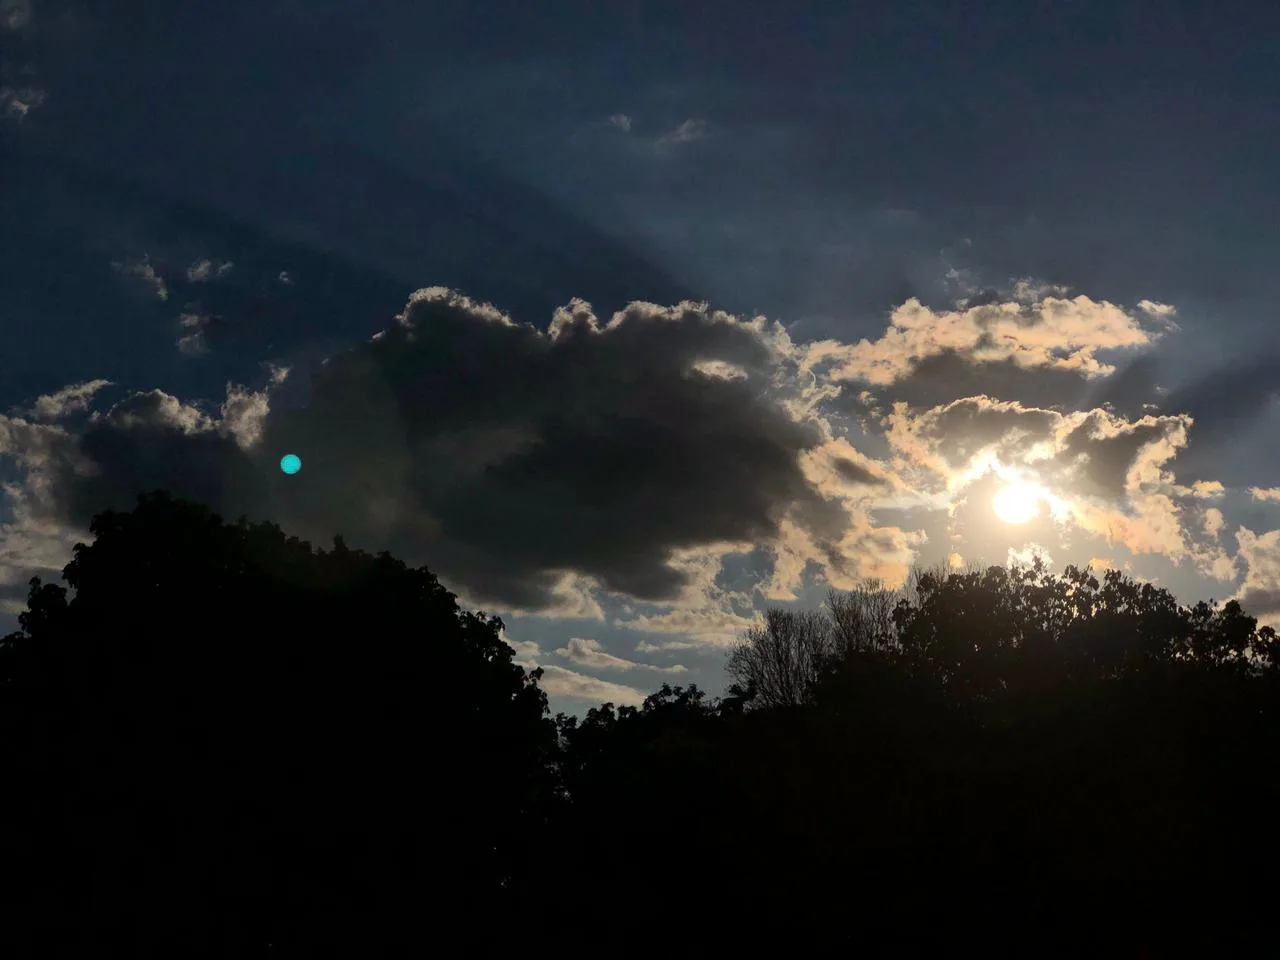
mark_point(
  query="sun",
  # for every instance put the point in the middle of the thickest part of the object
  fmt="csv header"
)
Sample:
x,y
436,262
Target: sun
x,y
1018,503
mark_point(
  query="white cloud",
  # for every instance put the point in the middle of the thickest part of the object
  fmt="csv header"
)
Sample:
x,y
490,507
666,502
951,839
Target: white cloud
x,y
1214,522
17,102
1153,309
1259,594
1026,557
585,652
621,121
192,342
204,269
1265,494
1053,333
74,398
562,682
686,132
145,271
285,278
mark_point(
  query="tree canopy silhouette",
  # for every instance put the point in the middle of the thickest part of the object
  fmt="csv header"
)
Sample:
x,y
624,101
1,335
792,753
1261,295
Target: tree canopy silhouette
x,y
218,738
221,738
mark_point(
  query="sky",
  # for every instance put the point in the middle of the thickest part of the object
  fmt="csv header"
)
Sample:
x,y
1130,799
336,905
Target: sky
x,y
629,320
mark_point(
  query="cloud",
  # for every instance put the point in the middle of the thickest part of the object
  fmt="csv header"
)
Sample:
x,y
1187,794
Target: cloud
x,y
1214,522
192,341
566,683
285,278
75,398
439,440
585,652
1259,594
14,14
1208,489
204,269
688,466
686,132
1027,555
1052,334
145,271
17,102
1153,309
1265,494
621,121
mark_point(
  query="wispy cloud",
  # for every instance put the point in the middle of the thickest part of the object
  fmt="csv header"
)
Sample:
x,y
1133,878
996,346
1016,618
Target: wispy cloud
x,y
14,14
17,102
145,271
74,398
585,652
204,270
686,132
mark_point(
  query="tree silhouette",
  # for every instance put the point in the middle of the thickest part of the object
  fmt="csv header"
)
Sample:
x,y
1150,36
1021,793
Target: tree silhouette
x,y
225,739
217,738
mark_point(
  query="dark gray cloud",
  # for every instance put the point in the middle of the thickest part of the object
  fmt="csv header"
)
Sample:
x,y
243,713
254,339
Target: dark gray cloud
x,y
1102,457
941,378
500,455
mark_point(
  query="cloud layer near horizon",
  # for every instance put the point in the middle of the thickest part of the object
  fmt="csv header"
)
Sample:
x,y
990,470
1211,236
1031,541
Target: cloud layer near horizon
x,y
641,457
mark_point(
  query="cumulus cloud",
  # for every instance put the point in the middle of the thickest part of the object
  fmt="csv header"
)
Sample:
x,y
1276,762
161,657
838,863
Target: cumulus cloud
x,y
204,269
1153,309
621,121
438,439
192,342
687,466
1265,494
1052,334
1259,593
1028,554
74,398
1214,522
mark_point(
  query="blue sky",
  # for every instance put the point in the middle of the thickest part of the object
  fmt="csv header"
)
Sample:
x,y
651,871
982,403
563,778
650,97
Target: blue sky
x,y
942,249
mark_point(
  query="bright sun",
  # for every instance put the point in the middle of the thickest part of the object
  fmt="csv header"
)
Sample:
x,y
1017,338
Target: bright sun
x,y
1017,503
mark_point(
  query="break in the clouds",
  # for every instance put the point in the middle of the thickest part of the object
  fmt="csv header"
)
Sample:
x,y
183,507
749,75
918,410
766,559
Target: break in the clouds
x,y
667,470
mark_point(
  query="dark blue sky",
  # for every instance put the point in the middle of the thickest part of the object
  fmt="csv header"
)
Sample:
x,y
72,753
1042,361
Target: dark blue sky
x,y
817,163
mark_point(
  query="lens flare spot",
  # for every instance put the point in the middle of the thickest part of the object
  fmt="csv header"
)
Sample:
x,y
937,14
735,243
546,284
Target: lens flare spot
x,y
291,463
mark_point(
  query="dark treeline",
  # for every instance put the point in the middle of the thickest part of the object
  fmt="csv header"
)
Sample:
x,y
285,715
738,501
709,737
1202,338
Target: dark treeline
x,y
221,742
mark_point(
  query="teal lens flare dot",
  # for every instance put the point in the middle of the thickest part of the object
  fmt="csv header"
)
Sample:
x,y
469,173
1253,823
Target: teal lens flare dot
x,y
291,463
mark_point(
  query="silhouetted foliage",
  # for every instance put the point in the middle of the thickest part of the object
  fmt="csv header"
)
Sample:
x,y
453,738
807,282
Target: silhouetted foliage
x,y
225,739
216,738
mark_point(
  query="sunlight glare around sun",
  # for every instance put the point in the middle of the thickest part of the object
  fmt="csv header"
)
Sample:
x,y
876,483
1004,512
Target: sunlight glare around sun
x,y
1017,503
